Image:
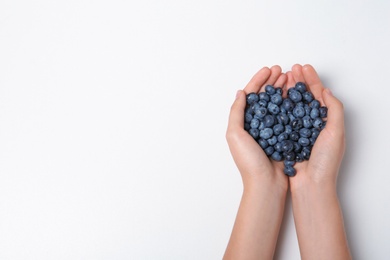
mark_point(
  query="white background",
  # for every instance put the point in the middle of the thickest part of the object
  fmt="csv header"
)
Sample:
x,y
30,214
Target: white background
x,y
113,118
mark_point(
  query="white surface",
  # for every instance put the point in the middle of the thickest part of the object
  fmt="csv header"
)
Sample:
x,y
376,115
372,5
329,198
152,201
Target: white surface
x,y
113,117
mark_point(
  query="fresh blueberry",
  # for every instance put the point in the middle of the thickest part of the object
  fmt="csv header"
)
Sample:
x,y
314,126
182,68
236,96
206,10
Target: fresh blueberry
x,y
270,90
266,133
305,132
318,123
273,140
276,156
305,153
314,113
260,112
252,98
301,87
276,99
278,129
315,104
294,136
312,141
284,119
255,123
299,111
300,104
288,129
247,126
296,124
282,137
263,96
315,133
273,108
278,147
289,162
279,90
308,97
307,109
298,157
291,116
248,117
304,141
263,103
287,146
297,147
294,95
263,143
269,121
269,150
289,171
307,122
255,106
288,104
323,112
254,133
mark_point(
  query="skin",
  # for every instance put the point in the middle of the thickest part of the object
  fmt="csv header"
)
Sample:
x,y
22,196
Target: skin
x,y
316,209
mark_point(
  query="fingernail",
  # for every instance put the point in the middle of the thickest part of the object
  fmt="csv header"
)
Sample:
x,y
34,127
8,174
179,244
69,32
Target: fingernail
x,y
329,92
238,93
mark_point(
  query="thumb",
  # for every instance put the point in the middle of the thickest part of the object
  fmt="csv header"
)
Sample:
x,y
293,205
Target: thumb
x,y
335,120
236,117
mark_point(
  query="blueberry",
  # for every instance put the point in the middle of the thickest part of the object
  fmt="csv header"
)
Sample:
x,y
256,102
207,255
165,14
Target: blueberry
x,y
273,108
304,141
315,133
263,96
252,98
296,124
307,122
301,87
307,109
270,90
287,146
289,171
260,112
297,147
255,123
269,121
314,113
278,129
248,117
315,104
276,99
323,112
263,103
273,140
300,104
298,157
254,133
276,156
279,90
262,125
269,150
299,111
255,106
282,137
312,141
288,129
305,132
294,136
288,104
291,116
289,163
308,97
278,147
266,133
294,95
318,123
305,153
263,143
247,126
284,119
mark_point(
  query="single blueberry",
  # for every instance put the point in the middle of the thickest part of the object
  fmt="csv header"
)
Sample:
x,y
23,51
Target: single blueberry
x,y
288,104
298,157
270,90
305,153
304,141
288,129
312,141
263,143
255,123
305,132
315,104
278,147
283,119
289,162
289,171
287,146
323,112
282,137
294,95
301,87
297,147
263,96
260,112
255,106
318,123
308,97
307,122
299,111
276,99
263,103
269,121
248,117
314,113
252,98
276,156
273,108
296,124
294,136
269,150
278,129
273,140
254,133
266,133
279,90
315,133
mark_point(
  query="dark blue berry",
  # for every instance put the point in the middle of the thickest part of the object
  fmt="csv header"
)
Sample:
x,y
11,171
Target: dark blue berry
x,y
262,125
304,141
305,153
266,133
318,123
314,113
323,112
294,95
294,136
247,126
278,129
315,104
269,150
288,104
273,140
264,96
276,156
297,147
263,103
273,108
260,112
276,99
282,137
288,129
270,90
301,87
289,171
290,156
269,121
307,122
252,98
298,157
289,162
305,132
299,111
255,123
315,133
308,97
307,109
279,90
254,133
278,147
263,143
296,124
287,146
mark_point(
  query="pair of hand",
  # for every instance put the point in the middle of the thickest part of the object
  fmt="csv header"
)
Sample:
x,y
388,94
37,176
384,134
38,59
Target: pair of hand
x,y
326,156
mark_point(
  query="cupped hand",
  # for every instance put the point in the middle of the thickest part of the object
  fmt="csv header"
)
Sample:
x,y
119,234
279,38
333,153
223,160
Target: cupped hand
x,y
252,162
328,150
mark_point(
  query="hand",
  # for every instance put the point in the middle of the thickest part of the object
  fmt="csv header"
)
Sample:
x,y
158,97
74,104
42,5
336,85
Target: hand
x,y
328,150
254,165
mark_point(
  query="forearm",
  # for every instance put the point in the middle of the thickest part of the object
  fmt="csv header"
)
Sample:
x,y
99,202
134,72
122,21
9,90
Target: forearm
x,y
319,222
257,224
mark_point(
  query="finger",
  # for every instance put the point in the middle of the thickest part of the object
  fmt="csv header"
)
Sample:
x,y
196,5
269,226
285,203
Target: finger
x,y
276,71
290,83
335,119
236,117
297,73
258,80
313,81
281,81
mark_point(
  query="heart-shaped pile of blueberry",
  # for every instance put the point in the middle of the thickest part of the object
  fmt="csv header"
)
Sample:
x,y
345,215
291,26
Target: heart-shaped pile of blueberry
x,y
286,128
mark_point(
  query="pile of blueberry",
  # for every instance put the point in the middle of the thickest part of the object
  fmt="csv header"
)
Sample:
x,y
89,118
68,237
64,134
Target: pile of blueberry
x,y
286,128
